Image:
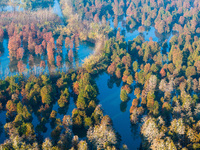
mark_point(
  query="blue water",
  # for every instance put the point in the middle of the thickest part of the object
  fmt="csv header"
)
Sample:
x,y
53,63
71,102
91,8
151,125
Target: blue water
x,y
2,121
118,111
56,9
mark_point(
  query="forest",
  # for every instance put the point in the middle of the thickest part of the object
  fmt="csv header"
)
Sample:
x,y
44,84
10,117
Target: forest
x,y
100,74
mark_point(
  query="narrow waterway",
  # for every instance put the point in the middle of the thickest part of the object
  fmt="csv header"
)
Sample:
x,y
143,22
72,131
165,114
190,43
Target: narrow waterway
x,y
118,111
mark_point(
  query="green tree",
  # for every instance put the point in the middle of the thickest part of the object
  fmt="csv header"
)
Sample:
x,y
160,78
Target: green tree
x,y
130,79
123,95
45,93
87,122
190,71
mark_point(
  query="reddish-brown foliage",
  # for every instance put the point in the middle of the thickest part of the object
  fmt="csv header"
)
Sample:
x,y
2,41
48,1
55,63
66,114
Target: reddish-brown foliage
x,y
70,55
72,43
38,49
50,52
162,72
58,60
1,34
13,45
76,41
11,29
59,42
147,68
126,88
96,18
181,20
76,87
20,66
111,68
118,73
31,60
44,44
126,60
141,29
20,53
67,42
10,106
118,36
47,36
42,64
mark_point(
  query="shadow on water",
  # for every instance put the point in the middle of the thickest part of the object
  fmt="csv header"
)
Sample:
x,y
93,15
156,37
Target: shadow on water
x,y
2,123
44,130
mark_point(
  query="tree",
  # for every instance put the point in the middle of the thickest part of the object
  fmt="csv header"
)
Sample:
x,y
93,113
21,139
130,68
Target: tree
x,y
81,101
190,71
135,66
181,20
31,43
160,26
87,122
46,94
127,88
55,134
118,36
13,45
47,145
58,60
147,68
76,87
10,106
67,42
149,129
125,75
82,145
123,95
70,55
20,66
96,18
53,114
166,108
165,143
67,121
150,101
126,60
111,69
134,116
59,42
118,73
101,136
42,64
38,49
77,121
50,52
26,114
162,73
63,98
44,44
152,83
1,34
130,79
20,53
